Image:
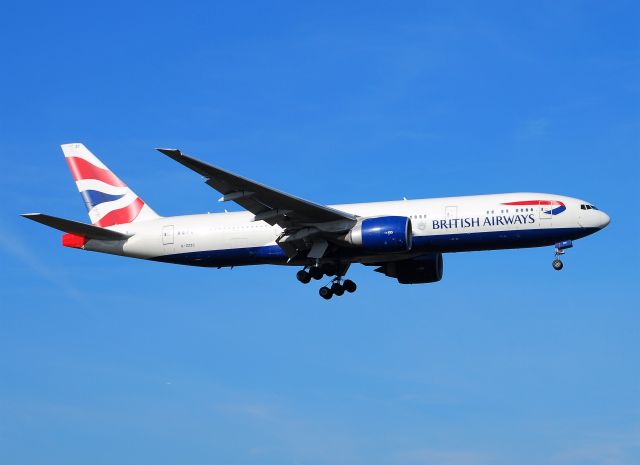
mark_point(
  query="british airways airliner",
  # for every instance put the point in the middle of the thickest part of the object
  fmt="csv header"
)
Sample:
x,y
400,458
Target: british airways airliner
x,y
402,239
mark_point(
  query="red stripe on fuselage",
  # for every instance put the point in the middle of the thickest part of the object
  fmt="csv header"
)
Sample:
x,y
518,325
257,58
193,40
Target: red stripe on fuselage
x,y
535,202
82,169
122,215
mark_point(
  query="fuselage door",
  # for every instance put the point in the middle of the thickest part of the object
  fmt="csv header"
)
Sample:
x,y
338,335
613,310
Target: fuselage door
x,y
544,213
167,235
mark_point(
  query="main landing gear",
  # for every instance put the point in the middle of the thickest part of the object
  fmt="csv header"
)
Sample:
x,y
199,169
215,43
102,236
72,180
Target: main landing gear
x,y
337,287
560,250
305,276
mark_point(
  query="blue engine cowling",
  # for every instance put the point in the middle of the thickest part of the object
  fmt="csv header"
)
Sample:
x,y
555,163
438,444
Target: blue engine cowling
x,y
385,234
423,269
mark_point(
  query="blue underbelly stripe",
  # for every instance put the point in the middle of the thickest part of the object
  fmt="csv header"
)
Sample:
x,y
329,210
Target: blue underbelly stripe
x,y
228,257
462,242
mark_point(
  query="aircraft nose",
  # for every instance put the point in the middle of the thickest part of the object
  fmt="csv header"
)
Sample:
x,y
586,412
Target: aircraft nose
x,y
603,220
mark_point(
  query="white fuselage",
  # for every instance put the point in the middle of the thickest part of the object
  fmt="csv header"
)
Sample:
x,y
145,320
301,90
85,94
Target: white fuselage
x,y
451,224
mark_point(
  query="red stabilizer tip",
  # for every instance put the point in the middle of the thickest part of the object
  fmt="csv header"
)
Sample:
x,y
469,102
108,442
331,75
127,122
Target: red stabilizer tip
x,y
73,240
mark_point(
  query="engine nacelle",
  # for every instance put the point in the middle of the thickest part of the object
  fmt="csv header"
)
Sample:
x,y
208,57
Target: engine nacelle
x,y
419,270
383,234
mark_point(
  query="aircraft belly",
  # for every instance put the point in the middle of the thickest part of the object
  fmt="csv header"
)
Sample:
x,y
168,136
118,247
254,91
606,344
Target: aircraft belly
x,y
267,254
495,240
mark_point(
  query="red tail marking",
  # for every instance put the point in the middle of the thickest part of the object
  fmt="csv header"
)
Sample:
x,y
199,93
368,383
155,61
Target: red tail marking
x,y
82,169
122,215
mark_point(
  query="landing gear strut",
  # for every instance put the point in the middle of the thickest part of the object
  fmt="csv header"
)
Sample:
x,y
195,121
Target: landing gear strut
x,y
560,250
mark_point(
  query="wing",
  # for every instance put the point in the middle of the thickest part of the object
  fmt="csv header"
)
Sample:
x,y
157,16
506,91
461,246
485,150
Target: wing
x,y
266,203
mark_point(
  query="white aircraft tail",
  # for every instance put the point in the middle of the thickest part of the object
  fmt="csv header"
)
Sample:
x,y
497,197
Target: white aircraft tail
x,y
108,200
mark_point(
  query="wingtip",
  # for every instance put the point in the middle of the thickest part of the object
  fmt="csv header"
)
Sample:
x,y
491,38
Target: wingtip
x,y
29,215
169,151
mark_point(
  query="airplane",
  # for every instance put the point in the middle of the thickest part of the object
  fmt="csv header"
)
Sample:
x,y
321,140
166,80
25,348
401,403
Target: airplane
x,y
402,239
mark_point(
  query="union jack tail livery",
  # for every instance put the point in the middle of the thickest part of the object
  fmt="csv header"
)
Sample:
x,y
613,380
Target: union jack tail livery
x,y
108,200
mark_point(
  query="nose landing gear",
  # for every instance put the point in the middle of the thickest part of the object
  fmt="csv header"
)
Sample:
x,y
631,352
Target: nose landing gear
x,y
560,250
557,264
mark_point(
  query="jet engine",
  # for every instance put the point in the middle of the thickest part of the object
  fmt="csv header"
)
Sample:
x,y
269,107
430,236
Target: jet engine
x,y
419,270
385,234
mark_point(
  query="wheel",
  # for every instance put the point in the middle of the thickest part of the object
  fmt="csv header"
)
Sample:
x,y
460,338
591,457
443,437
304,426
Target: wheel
x,y
557,264
325,293
316,272
349,285
303,277
337,289
329,269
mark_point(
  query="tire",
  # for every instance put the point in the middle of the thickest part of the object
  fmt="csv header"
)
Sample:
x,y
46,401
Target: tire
x,y
303,277
325,293
349,285
337,289
557,264
316,273
329,269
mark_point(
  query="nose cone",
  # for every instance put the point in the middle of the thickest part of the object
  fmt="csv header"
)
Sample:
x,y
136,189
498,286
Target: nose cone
x,y
603,220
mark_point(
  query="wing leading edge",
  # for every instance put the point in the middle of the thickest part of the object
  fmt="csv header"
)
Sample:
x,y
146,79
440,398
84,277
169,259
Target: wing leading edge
x,y
266,203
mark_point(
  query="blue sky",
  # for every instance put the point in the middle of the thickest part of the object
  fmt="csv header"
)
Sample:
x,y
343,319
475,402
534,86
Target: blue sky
x,y
109,360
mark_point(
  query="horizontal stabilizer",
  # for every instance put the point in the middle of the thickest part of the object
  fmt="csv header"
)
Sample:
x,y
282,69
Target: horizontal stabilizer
x,y
75,227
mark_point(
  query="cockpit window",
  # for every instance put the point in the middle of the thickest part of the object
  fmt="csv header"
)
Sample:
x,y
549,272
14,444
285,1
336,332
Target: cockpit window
x,y
594,207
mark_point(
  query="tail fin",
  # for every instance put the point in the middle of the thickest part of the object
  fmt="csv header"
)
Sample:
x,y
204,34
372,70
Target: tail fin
x,y
109,201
